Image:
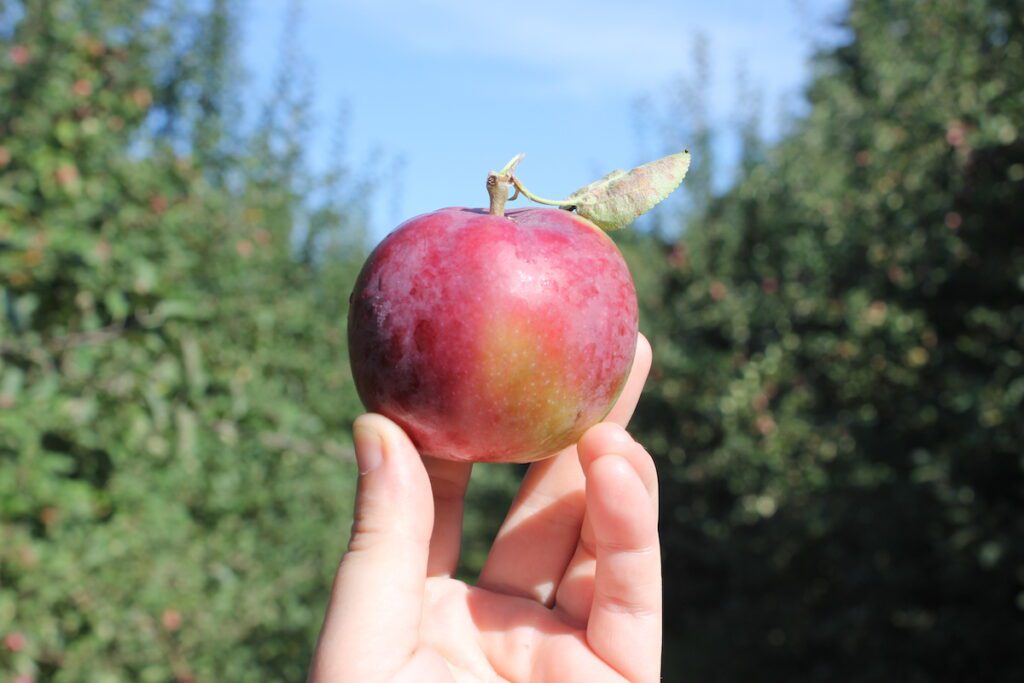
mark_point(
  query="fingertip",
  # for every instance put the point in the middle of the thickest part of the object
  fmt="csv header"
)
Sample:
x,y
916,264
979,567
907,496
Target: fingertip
x,y
388,430
613,473
644,355
396,443
610,439
381,444
603,438
617,502
634,385
613,470
368,443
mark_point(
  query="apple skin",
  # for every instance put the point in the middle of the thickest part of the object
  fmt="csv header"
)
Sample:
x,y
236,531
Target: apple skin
x,y
490,338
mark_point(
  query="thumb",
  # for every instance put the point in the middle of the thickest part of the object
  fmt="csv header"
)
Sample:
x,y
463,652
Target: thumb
x,y
372,622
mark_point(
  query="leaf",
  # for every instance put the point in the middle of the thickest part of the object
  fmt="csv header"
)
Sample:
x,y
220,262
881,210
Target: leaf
x,y
9,197
117,304
621,197
181,309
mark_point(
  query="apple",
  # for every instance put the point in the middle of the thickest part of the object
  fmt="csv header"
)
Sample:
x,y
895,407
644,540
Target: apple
x,y
494,337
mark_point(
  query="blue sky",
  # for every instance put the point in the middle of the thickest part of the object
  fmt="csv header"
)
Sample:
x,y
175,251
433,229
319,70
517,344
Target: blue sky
x,y
457,87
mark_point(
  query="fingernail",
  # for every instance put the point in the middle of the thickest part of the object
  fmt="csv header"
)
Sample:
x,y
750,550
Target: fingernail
x,y
369,447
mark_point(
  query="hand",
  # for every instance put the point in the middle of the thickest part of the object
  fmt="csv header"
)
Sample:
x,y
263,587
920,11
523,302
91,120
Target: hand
x,y
571,590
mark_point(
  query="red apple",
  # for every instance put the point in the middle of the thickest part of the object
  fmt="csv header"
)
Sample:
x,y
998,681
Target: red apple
x,y
493,338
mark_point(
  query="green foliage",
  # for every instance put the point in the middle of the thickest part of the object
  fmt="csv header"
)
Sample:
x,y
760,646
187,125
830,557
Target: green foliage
x,y
175,475
835,405
839,379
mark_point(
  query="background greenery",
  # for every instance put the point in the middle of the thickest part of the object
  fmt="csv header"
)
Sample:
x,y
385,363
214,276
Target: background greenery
x,y
837,403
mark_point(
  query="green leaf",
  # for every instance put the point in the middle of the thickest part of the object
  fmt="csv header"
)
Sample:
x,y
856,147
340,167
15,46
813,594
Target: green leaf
x,y
178,308
116,304
621,197
9,197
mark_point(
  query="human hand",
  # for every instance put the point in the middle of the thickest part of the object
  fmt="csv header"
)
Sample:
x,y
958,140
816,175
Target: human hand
x,y
571,589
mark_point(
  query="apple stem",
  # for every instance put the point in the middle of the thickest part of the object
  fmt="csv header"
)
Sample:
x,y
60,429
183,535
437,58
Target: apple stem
x,y
564,203
498,183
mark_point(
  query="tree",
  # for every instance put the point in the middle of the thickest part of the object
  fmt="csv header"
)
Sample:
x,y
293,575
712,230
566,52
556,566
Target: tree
x,y
174,387
839,377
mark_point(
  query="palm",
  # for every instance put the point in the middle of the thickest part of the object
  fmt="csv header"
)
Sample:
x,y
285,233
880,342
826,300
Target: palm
x,y
482,635
570,591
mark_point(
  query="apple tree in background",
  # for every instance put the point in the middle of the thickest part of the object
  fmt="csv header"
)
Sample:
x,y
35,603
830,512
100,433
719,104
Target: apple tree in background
x,y
174,391
839,372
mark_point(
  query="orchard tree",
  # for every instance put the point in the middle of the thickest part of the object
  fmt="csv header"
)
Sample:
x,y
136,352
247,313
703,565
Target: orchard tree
x,y
174,391
840,372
